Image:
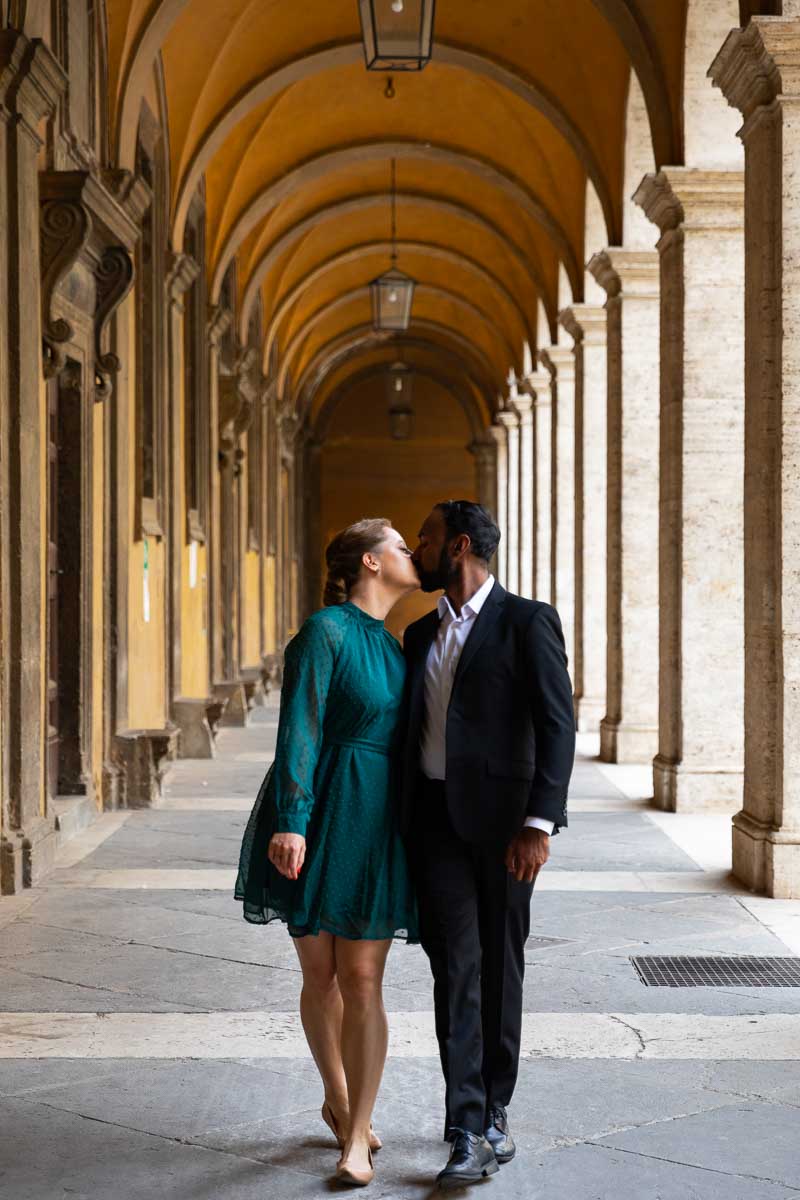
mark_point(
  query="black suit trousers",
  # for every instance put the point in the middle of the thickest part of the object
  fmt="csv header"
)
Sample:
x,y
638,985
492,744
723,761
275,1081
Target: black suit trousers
x,y
474,921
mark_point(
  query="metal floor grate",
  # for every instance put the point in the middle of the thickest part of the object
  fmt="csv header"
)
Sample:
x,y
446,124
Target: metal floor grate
x,y
697,971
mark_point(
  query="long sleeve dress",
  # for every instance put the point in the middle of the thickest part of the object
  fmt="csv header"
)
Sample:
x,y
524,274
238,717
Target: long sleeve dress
x,y
333,781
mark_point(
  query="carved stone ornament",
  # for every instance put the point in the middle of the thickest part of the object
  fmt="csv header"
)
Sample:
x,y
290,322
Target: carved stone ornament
x,y
114,277
92,221
65,227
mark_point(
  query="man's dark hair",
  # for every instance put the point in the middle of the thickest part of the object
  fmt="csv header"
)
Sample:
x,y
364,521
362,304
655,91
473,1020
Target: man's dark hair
x,y
464,516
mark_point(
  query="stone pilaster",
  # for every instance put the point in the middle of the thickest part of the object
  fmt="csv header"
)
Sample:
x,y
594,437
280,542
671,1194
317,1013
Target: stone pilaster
x,y
560,362
629,729
31,82
539,386
509,419
497,432
219,318
758,70
587,325
484,451
701,655
523,405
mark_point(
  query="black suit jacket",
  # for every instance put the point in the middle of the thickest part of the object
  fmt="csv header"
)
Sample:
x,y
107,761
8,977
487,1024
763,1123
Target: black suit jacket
x,y
510,722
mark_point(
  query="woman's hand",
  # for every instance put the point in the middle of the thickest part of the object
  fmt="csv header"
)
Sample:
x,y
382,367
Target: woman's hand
x,y
287,853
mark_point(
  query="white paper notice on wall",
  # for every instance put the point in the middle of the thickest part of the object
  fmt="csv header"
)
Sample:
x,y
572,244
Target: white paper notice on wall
x,y
192,564
146,583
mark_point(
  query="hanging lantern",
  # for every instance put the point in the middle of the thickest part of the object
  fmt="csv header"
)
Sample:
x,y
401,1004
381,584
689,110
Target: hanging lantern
x,y
399,380
397,34
393,292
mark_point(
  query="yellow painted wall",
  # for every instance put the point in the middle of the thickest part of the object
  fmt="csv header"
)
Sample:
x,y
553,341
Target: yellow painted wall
x,y
98,622
367,474
251,622
147,701
270,610
194,584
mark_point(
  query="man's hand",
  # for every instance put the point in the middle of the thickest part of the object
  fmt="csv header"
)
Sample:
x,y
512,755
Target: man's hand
x,y
527,853
287,853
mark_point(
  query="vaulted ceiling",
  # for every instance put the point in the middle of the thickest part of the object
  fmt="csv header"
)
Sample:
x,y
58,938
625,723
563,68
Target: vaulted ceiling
x,y
271,105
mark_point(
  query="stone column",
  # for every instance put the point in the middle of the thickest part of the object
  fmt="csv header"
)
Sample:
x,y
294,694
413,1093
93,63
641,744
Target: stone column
x,y
629,730
523,405
219,318
509,419
484,451
539,386
31,82
701,654
587,325
560,362
497,432
758,69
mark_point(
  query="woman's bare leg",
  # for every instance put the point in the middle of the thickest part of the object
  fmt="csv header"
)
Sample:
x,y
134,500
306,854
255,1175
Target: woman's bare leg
x,y
365,1035
321,1014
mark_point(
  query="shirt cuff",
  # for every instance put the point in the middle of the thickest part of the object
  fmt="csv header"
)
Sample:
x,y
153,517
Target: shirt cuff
x,y
540,823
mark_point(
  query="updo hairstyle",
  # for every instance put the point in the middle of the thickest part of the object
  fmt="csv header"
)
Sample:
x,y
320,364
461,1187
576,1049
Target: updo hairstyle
x,y
344,553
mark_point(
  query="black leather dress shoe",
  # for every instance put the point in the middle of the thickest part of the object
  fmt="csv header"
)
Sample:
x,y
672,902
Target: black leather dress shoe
x,y
497,1134
471,1160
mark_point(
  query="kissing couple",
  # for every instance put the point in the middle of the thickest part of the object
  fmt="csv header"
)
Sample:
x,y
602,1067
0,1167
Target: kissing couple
x,y
414,793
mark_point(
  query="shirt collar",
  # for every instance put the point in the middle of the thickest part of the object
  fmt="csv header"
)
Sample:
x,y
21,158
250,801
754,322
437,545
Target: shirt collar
x,y
472,607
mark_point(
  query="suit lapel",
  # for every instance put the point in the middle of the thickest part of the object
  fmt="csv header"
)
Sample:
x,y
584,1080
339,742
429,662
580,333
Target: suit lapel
x,y
484,622
418,665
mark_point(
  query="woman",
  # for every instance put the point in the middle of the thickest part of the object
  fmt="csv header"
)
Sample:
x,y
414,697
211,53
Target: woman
x,y
321,851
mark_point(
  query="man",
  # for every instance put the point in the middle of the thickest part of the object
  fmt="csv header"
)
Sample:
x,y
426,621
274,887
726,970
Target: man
x,y
489,748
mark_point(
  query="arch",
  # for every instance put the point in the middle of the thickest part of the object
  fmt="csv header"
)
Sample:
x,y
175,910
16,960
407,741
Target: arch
x,y
322,421
359,294
638,232
317,167
357,203
146,49
349,53
640,44
361,337
366,249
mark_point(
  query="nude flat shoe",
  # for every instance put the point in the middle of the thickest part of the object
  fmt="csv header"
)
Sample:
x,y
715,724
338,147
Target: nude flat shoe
x,y
351,1176
328,1117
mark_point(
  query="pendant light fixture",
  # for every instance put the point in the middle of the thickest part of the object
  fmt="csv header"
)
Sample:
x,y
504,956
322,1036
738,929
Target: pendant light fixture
x,y
397,34
392,292
399,382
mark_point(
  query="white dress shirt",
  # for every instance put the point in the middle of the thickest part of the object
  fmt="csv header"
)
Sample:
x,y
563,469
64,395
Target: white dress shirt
x,y
440,670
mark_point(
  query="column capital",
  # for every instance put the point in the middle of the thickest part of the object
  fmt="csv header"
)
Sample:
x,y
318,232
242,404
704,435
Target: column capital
x,y
32,80
484,449
676,196
522,404
497,432
759,64
618,269
508,418
585,323
219,319
559,361
538,385
181,274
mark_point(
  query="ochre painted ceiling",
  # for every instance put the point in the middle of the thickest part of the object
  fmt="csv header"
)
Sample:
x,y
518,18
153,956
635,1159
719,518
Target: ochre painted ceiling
x,y
268,106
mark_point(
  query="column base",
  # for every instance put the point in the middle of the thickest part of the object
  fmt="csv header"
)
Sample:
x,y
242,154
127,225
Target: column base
x,y
272,671
766,859
195,739
144,755
678,787
235,699
622,743
253,681
27,855
589,712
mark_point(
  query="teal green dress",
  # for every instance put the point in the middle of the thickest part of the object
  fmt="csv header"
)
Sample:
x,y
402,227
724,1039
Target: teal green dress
x,y
333,781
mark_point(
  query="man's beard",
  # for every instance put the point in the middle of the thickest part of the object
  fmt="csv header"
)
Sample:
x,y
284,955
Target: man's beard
x,y
432,581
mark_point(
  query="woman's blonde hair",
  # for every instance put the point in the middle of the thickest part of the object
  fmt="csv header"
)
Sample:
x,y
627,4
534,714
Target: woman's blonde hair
x,y
344,554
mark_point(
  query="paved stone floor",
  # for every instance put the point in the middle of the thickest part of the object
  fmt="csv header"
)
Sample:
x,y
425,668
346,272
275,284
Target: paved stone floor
x,y
149,1044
